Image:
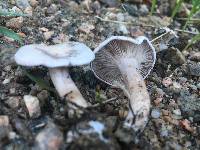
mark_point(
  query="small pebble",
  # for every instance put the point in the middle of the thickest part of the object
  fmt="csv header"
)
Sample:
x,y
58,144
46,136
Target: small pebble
x,y
52,9
15,23
33,106
13,101
86,28
195,56
177,112
164,132
4,120
198,85
167,81
144,9
49,138
33,3
155,113
23,4
194,69
6,81
48,35
43,95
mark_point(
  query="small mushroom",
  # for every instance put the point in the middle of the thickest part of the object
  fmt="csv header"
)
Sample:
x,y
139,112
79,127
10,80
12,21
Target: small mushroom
x,y
124,62
57,58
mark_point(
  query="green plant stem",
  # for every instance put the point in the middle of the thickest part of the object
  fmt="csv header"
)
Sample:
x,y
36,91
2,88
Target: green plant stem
x,y
153,6
176,9
190,15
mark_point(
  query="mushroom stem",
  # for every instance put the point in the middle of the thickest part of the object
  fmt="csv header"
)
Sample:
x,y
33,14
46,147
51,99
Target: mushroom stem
x,y
66,87
139,99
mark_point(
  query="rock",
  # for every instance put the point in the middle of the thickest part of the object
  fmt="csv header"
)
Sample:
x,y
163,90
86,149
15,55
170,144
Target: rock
x,y
190,103
195,56
96,7
13,101
131,9
86,28
50,138
167,81
43,95
33,3
61,38
194,68
48,35
144,9
164,132
15,23
52,9
177,112
4,132
121,27
155,113
21,128
4,120
6,81
16,9
23,4
174,56
28,11
198,85
125,135
33,106
111,3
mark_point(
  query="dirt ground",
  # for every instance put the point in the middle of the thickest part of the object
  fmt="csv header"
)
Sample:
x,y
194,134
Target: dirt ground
x,y
173,84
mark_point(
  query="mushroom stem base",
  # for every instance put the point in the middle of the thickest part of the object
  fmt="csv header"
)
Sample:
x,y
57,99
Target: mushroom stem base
x,y
66,87
139,101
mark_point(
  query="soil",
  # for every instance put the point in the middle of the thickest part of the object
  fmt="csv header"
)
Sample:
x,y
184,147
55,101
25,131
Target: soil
x,y
173,84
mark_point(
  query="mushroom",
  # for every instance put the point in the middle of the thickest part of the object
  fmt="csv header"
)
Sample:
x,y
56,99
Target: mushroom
x,y
124,62
57,58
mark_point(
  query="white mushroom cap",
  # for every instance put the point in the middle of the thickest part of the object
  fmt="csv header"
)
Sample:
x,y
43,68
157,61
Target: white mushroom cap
x,y
60,55
117,50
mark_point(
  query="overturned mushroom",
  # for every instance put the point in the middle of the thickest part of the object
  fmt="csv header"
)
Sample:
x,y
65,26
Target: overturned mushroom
x,y
57,58
124,62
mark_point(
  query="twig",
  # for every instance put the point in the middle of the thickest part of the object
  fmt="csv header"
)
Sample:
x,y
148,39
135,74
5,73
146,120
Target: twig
x,y
186,31
104,102
122,22
159,37
192,19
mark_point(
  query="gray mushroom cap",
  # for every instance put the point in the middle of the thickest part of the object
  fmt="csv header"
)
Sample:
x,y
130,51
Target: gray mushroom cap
x,y
110,53
60,55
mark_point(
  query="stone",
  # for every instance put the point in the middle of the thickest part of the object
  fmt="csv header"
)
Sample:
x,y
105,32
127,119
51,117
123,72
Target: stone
x,y
23,4
16,9
15,23
4,120
28,11
49,138
177,112
174,56
121,27
111,3
52,9
48,35
144,9
86,28
167,81
33,106
194,68
195,56
198,85
155,113
43,95
6,81
33,3
13,101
